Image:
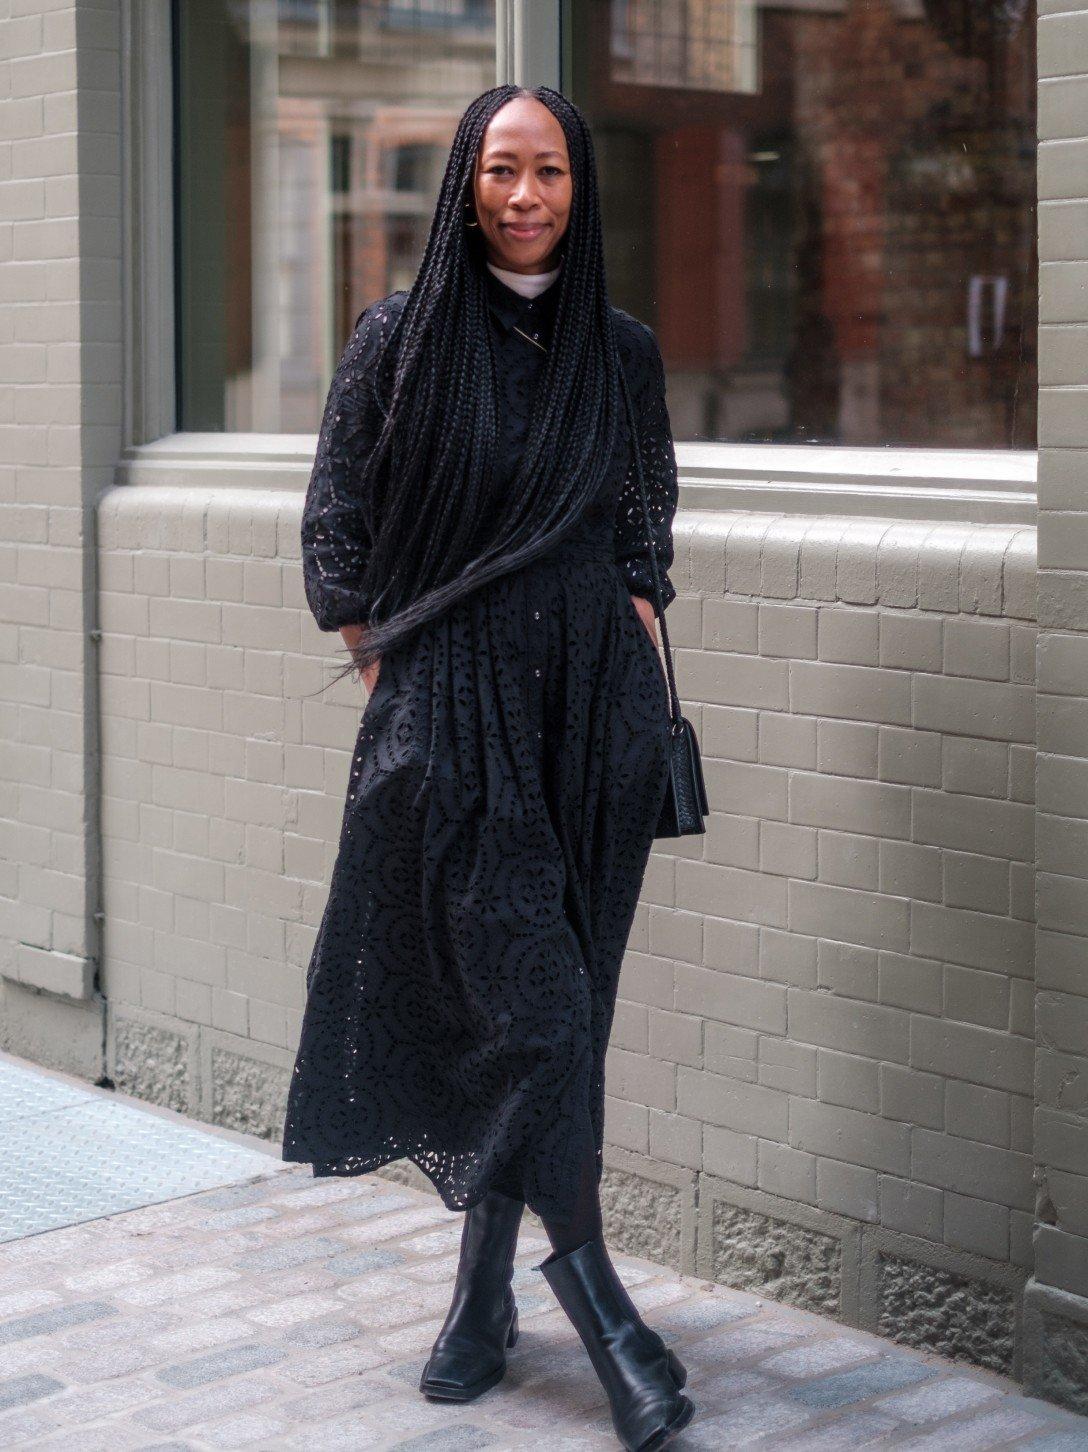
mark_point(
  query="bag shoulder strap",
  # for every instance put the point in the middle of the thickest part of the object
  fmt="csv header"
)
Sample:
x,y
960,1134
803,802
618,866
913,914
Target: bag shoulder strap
x,y
674,698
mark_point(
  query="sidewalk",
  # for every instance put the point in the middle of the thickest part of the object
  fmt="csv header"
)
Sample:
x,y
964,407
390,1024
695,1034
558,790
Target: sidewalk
x,y
278,1311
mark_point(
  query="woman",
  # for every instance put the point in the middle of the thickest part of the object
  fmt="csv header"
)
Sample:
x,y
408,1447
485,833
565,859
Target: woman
x,y
473,527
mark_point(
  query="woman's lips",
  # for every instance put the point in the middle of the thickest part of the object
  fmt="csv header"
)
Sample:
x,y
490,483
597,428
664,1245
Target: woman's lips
x,y
523,230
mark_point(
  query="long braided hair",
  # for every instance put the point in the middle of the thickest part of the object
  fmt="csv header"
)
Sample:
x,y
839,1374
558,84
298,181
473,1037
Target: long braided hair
x,y
437,530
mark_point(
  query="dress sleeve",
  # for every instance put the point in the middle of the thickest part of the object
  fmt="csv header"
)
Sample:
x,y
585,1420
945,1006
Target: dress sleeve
x,y
335,535
647,387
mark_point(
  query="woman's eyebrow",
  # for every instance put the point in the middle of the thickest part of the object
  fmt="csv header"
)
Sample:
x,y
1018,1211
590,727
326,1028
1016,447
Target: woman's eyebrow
x,y
514,154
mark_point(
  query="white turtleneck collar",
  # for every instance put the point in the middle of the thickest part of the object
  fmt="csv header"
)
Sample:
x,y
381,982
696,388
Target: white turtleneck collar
x,y
529,284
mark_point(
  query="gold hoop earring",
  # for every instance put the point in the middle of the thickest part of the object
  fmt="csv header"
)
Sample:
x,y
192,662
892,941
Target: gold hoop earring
x,y
466,220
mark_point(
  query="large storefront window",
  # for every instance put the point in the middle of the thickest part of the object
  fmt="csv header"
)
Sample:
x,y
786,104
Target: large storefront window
x,y
311,140
826,210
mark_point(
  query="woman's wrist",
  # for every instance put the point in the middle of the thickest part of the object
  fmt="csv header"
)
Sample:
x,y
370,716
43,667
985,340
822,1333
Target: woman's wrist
x,y
353,633
647,615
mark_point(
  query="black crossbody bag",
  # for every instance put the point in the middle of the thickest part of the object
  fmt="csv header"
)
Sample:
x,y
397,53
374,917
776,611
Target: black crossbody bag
x,y
685,804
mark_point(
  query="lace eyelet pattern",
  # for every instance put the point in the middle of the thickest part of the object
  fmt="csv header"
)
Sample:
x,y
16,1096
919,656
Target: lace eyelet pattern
x,y
502,799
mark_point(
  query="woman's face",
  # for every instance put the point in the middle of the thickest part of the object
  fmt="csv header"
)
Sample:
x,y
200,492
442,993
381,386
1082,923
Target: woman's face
x,y
522,186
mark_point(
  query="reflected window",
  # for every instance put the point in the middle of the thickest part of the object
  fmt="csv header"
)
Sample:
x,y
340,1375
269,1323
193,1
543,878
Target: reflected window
x,y
312,139
826,211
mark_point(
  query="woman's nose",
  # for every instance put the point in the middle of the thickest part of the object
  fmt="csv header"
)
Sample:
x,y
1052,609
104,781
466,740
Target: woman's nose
x,y
524,192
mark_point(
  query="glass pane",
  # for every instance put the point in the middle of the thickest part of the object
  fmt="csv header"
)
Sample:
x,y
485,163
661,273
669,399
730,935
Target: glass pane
x,y
312,137
826,211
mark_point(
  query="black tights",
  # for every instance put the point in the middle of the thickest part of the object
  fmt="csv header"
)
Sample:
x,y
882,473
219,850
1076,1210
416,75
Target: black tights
x,y
584,1221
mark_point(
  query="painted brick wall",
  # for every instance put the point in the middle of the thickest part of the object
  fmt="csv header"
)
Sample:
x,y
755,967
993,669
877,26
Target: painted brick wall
x,y
223,783
830,996
1057,1305
60,405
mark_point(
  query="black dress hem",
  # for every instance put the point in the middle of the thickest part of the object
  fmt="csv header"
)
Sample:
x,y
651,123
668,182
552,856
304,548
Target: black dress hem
x,y
355,1167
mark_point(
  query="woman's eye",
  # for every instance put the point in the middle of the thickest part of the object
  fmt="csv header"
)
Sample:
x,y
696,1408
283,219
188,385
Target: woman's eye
x,y
498,168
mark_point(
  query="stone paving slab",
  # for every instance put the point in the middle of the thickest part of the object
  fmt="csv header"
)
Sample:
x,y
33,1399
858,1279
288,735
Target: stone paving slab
x,y
70,1154
293,1313
283,1312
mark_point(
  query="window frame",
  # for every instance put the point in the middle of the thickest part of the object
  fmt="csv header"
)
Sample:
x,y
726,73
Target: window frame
x,y
533,43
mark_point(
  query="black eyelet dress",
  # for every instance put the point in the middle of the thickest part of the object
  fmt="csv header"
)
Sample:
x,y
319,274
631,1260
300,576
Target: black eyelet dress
x,y
503,795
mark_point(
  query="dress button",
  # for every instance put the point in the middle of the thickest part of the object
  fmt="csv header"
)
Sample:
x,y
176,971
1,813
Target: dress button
x,y
536,614
536,670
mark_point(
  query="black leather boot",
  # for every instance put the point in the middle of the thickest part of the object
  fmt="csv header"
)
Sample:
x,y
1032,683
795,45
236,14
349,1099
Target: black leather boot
x,y
640,1374
469,1353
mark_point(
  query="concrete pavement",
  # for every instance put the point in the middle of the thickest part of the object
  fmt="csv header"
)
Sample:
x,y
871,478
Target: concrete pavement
x,y
279,1311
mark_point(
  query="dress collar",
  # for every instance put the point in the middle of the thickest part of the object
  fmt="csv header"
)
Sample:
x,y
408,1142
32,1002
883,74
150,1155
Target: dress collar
x,y
509,307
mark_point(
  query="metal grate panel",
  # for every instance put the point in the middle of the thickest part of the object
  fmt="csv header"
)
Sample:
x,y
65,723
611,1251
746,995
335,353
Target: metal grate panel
x,y
68,1155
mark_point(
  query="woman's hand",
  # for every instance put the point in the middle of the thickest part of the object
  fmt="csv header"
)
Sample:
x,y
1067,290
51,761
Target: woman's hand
x,y
353,634
645,609
646,613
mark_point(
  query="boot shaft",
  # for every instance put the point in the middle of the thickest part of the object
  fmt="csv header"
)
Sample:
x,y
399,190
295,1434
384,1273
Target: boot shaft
x,y
640,1375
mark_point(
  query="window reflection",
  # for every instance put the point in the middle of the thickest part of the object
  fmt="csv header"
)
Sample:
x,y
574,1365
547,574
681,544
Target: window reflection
x,y
826,210
312,138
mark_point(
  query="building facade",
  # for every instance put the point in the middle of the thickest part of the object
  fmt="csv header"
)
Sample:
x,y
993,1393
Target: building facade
x,y
850,1059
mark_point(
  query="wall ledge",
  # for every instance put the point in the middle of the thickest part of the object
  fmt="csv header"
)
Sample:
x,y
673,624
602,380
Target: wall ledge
x,y
992,486
67,975
910,564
